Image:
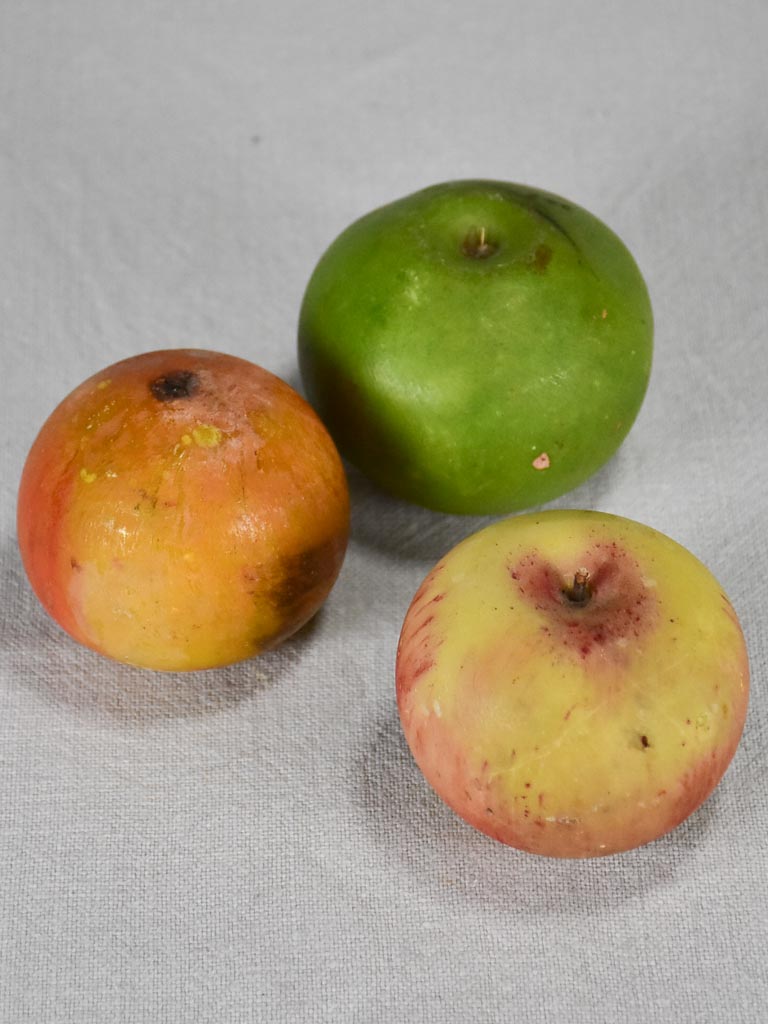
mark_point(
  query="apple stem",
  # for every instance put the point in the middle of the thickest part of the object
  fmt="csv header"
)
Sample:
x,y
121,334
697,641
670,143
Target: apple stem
x,y
580,592
476,244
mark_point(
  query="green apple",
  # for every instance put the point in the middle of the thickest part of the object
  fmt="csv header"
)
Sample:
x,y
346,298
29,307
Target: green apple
x,y
477,347
572,683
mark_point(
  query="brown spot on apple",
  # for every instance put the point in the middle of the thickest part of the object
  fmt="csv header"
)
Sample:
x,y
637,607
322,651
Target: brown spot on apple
x,y
541,258
301,574
175,385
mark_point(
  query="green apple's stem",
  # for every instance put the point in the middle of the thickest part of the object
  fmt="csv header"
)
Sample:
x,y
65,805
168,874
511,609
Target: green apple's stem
x,y
476,244
581,592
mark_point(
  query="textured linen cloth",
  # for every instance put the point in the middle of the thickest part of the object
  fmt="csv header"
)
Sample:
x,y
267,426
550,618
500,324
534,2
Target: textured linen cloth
x,y
256,844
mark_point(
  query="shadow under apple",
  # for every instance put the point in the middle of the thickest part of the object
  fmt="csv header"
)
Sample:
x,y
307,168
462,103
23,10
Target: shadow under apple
x,y
415,827
409,532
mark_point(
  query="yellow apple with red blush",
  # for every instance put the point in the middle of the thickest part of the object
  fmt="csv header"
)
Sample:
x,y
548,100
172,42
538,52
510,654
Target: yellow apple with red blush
x,y
572,683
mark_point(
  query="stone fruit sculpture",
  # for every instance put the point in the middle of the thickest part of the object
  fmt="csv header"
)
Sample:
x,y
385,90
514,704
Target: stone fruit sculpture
x,y
477,347
181,510
572,683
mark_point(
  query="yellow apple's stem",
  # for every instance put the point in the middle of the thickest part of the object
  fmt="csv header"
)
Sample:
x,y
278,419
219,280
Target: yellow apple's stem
x,y
580,592
477,245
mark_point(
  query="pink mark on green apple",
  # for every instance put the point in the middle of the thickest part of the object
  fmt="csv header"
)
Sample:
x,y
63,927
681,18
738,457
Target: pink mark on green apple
x,y
541,461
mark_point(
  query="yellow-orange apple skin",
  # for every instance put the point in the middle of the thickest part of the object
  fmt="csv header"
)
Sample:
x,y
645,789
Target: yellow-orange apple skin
x,y
567,727
182,509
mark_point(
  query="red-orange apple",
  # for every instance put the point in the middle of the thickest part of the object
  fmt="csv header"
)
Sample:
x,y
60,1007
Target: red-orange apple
x,y
572,683
182,509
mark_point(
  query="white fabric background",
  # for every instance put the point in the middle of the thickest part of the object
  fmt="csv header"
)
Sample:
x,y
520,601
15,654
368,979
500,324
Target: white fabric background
x,y
256,844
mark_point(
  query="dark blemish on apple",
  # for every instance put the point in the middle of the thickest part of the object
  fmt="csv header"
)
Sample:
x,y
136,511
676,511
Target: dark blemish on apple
x,y
75,564
301,574
645,741
541,258
556,201
534,207
489,810
151,499
527,785
175,385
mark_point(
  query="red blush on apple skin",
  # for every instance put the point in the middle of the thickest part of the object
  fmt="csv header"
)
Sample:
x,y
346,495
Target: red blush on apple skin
x,y
617,608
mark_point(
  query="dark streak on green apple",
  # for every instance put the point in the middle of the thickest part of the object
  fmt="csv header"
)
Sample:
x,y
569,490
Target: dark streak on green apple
x,y
536,208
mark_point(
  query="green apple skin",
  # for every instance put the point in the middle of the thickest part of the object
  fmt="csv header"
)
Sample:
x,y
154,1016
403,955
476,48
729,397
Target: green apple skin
x,y
477,347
